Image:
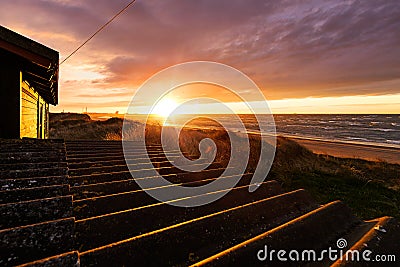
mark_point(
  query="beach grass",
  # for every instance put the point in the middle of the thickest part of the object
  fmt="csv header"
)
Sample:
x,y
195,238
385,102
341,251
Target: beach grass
x,y
370,188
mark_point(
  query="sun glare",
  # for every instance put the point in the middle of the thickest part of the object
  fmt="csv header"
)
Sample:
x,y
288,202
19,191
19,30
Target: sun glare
x,y
164,107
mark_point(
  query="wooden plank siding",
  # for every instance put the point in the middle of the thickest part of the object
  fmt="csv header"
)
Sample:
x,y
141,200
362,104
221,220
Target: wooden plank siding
x,y
34,113
29,111
46,121
41,118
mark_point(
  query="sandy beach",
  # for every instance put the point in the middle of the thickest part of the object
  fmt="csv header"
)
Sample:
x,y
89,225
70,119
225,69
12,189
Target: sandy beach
x,y
351,150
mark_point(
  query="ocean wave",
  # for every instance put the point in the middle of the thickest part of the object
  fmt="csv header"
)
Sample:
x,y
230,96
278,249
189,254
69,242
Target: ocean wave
x,y
374,129
393,141
384,130
358,138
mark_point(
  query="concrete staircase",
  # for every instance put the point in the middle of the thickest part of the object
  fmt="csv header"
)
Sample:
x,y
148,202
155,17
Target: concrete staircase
x,y
35,201
98,216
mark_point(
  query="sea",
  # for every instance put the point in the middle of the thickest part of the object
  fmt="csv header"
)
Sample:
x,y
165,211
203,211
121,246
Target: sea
x,y
370,129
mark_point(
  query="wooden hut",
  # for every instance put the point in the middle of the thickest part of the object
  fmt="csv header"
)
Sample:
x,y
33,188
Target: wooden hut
x,y
28,85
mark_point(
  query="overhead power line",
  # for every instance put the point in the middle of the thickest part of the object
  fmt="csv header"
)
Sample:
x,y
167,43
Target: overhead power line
x,y
99,30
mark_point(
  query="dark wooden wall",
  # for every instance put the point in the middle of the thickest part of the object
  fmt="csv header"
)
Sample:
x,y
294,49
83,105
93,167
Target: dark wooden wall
x,y
10,82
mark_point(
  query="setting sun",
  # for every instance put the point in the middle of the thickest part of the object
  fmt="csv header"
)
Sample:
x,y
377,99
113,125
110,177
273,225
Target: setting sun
x,y
164,107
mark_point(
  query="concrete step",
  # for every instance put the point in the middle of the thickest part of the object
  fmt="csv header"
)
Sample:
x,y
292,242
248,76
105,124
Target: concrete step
x,y
123,161
104,163
17,195
315,230
8,150
27,173
103,204
33,242
126,175
95,231
69,259
191,177
27,166
102,189
93,152
18,158
94,159
97,163
175,170
99,145
99,178
15,144
27,140
114,187
99,142
107,203
88,149
113,168
35,211
112,156
95,156
31,151
176,244
20,155
21,183
97,170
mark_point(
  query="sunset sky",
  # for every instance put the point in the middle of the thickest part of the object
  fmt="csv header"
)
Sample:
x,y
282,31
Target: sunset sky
x,y
306,56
